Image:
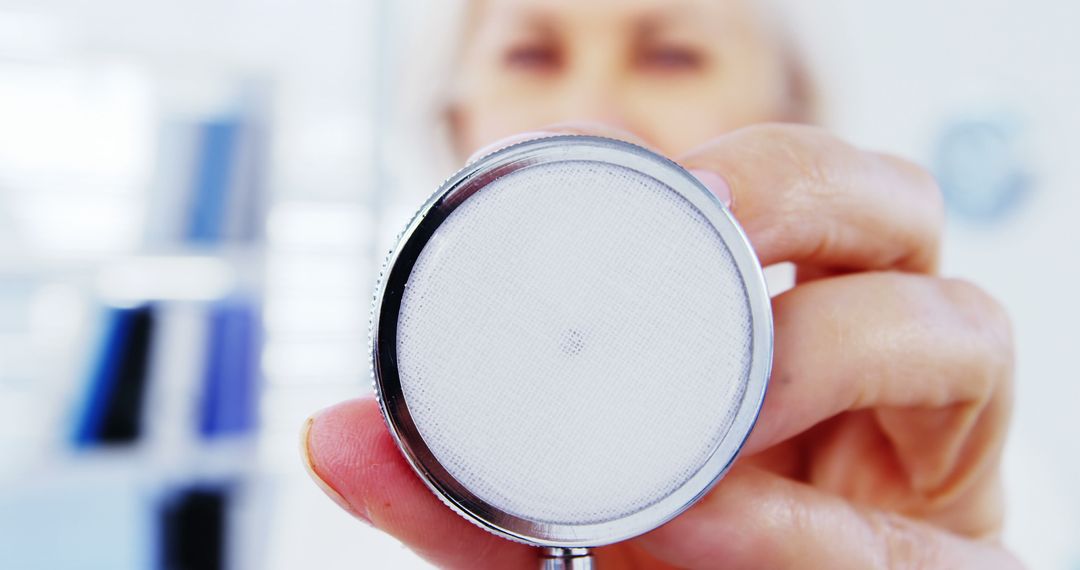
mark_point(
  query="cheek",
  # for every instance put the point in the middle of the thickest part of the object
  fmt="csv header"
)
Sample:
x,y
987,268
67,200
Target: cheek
x,y
678,119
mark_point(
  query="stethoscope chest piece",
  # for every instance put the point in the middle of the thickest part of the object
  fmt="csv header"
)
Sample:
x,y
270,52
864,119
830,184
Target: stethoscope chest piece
x,y
571,342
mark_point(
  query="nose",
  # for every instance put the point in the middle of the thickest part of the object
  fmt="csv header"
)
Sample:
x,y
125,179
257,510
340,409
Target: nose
x,y
596,96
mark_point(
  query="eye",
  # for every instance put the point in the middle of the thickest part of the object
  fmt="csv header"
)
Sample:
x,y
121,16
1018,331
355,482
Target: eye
x,y
533,57
670,58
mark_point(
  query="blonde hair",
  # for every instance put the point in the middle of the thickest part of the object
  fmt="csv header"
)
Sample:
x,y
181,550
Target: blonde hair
x,y
421,55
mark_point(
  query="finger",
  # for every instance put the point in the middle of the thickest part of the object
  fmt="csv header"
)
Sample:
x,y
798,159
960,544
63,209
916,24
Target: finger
x,y
754,519
880,339
932,356
806,197
352,456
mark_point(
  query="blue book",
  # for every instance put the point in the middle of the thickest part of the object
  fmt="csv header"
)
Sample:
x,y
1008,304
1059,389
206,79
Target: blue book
x,y
194,529
215,170
230,378
112,408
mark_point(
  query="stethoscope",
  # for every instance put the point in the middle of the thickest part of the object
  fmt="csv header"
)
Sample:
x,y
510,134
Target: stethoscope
x,y
570,343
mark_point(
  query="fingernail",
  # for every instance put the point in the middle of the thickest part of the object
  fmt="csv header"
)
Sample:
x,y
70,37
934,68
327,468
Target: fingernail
x,y
715,183
309,464
507,141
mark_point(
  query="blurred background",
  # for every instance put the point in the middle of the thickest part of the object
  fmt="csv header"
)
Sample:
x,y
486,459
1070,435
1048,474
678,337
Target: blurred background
x,y
195,197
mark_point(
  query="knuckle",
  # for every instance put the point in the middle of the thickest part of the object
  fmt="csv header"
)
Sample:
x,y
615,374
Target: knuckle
x,y
926,208
812,152
812,165
983,310
901,544
985,320
922,183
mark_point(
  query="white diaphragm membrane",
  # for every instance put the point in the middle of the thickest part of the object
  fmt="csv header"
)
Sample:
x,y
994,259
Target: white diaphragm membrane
x,y
573,342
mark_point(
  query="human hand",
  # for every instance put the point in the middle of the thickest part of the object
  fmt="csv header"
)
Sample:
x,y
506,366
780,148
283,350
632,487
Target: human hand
x,y
879,442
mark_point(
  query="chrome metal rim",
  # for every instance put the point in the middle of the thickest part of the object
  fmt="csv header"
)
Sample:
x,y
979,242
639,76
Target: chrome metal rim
x,y
387,302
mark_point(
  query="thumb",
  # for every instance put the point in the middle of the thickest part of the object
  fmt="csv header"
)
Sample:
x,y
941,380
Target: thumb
x,y
353,458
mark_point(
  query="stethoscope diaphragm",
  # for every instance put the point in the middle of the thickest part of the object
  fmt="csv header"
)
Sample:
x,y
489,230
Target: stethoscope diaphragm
x,y
571,341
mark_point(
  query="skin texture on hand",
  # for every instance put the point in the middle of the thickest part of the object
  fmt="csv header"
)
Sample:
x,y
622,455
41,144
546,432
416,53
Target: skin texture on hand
x,y
880,438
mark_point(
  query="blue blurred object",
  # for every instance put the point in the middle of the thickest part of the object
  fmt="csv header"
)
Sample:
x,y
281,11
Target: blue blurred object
x,y
228,405
214,172
194,529
978,167
112,408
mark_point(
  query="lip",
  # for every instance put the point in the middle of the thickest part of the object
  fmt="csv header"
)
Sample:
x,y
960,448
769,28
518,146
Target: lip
x,y
507,141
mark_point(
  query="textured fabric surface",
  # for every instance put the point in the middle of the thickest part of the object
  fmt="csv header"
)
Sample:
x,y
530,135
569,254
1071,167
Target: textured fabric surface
x,y
573,342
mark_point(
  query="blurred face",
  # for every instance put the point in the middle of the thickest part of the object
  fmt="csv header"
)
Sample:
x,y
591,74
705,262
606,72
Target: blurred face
x,y
675,72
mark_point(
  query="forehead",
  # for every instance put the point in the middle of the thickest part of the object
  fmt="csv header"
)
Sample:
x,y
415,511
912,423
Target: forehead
x,y
611,11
